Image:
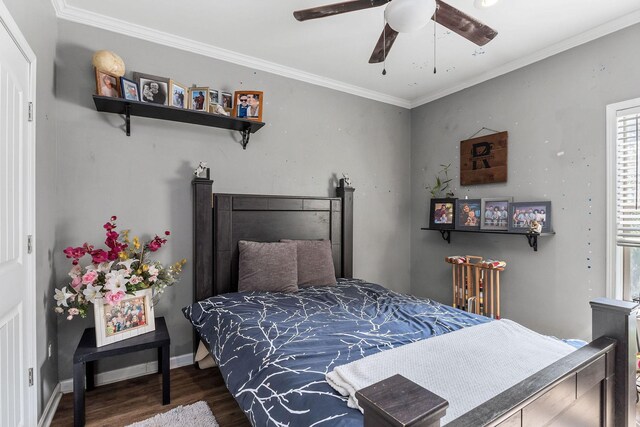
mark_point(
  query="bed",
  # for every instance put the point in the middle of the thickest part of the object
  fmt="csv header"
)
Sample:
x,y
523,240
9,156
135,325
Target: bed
x,y
279,379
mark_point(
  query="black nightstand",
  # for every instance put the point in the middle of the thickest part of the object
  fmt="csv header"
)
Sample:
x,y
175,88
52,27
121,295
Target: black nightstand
x,y
87,353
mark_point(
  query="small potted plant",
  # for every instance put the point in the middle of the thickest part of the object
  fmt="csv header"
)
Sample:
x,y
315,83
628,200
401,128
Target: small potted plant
x,y
442,206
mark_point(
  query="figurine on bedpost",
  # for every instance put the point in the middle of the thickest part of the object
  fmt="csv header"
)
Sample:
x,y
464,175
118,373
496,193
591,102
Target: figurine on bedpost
x,y
345,192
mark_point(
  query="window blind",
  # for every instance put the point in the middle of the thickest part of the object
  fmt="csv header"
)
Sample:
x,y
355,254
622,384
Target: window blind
x,y
627,175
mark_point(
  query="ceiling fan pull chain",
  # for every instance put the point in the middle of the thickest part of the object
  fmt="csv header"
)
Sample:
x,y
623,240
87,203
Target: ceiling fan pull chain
x,y
435,21
384,46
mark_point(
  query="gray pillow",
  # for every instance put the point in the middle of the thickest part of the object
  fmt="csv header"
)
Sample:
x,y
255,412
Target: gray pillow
x,y
267,267
315,263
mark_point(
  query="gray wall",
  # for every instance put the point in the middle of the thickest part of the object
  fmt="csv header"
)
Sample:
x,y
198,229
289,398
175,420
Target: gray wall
x,y
37,22
312,134
556,105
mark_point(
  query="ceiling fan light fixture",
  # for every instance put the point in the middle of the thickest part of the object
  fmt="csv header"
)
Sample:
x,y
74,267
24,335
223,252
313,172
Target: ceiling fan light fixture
x,y
406,16
484,4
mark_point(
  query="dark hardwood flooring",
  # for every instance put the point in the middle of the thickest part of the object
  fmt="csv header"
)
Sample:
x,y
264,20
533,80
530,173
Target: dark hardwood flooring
x,y
126,402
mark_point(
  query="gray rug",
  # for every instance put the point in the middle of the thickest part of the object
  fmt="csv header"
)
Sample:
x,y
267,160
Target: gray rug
x,y
195,415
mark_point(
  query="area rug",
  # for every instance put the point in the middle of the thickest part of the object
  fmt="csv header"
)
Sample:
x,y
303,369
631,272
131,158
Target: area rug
x,y
194,415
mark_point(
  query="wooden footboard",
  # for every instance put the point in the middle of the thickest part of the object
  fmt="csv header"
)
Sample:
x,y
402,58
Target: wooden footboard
x,y
593,386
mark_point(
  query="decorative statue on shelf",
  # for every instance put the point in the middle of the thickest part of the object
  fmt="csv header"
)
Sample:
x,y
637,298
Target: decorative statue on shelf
x,y
536,227
347,179
202,167
219,109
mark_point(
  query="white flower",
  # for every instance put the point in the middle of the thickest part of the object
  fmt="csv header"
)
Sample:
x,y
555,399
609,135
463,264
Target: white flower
x,y
75,271
92,292
104,267
127,264
61,296
153,271
59,310
116,281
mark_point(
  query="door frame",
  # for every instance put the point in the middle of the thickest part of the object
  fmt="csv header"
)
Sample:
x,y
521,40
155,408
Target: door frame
x,y
29,312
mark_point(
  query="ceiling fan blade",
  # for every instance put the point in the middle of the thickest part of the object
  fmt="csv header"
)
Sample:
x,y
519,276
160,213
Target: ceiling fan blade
x,y
463,24
389,36
336,9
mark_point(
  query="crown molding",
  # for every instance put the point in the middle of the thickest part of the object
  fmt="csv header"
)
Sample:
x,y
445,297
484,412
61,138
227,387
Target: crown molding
x,y
587,36
74,14
81,16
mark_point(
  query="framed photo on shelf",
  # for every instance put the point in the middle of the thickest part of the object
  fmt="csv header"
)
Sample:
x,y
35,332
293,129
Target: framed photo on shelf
x,y
153,89
226,101
214,97
523,214
248,104
107,85
127,318
178,94
495,213
199,98
442,214
468,214
129,89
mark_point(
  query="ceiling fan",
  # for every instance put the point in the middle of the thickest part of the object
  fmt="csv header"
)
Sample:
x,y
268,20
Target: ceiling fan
x,y
407,16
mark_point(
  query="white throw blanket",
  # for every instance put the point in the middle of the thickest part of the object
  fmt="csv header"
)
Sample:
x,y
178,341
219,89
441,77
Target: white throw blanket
x,y
465,367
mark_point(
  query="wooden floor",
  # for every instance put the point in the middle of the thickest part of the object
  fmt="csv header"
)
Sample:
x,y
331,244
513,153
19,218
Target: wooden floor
x,y
126,402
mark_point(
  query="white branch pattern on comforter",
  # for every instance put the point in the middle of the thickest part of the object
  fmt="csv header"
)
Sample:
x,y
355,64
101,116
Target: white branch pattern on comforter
x,y
274,349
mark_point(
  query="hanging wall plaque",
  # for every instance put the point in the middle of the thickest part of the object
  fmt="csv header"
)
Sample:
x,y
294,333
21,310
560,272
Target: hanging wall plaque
x,y
483,160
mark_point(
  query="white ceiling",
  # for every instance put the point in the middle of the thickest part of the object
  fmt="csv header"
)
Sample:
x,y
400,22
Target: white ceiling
x,y
334,51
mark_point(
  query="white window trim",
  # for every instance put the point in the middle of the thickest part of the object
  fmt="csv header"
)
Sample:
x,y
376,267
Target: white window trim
x,y
614,274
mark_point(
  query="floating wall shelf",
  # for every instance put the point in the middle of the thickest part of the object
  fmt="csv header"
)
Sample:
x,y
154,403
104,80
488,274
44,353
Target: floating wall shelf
x,y
162,112
532,238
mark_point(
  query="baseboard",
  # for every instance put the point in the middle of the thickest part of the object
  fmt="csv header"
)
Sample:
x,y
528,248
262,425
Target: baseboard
x,y
66,386
50,410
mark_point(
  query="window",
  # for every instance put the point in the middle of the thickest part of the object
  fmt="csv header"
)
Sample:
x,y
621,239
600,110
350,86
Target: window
x,y
623,199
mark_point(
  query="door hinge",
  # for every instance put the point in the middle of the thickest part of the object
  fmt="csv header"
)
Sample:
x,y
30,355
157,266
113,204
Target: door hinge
x,y
30,377
30,111
29,243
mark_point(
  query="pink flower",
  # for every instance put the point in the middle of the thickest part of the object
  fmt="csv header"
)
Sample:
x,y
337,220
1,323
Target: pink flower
x,y
89,277
75,271
156,243
167,233
99,256
114,297
153,279
76,283
75,253
74,311
134,280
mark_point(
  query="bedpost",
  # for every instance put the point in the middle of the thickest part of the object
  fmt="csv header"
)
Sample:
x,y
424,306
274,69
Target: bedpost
x,y
397,401
202,238
345,192
617,319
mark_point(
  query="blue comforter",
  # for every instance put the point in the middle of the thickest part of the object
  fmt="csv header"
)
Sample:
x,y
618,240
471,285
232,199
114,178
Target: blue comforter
x,y
274,349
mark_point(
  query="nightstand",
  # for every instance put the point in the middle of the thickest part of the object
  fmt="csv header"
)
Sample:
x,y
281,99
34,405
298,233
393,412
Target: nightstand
x,y
87,354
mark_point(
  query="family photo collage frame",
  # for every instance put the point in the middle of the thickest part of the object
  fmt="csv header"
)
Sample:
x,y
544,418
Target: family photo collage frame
x,y
490,214
244,104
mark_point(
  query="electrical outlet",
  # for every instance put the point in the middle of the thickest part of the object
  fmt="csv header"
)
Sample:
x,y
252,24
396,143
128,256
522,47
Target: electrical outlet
x,y
49,349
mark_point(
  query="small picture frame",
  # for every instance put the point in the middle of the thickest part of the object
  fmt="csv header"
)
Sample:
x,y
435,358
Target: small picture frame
x,y
226,101
107,84
153,89
495,213
178,94
214,97
468,212
199,98
248,104
129,89
128,318
523,214
442,214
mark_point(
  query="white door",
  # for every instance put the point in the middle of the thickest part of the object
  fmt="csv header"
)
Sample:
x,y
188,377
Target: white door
x,y
17,296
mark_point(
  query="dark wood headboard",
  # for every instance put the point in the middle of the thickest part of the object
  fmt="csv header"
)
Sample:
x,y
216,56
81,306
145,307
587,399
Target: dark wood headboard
x,y
221,220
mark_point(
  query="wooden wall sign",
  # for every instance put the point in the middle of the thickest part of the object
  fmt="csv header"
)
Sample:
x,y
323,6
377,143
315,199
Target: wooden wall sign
x,y
483,160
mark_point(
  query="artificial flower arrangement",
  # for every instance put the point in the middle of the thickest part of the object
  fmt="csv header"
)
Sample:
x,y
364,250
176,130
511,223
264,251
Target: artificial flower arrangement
x,y
122,269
